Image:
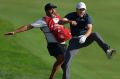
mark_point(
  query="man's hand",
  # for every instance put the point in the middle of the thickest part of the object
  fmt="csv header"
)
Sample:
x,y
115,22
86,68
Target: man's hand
x,y
82,39
74,23
10,33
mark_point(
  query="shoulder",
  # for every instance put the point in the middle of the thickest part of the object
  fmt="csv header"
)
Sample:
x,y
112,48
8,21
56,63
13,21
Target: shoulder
x,y
88,18
41,20
87,15
70,15
39,23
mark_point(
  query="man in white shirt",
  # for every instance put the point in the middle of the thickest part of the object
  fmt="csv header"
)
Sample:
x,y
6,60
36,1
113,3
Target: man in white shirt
x,y
55,48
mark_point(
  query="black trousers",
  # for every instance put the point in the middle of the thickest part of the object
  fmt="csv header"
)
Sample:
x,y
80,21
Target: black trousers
x,y
74,43
74,47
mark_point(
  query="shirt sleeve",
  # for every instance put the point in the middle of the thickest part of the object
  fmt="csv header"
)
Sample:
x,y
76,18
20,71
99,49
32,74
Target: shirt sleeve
x,y
39,23
89,20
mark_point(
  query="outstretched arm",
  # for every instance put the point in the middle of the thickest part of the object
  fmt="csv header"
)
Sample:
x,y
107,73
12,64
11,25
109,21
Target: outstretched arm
x,y
65,21
21,29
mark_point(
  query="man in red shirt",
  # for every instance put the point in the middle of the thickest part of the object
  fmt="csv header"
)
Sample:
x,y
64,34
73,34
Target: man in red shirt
x,y
55,48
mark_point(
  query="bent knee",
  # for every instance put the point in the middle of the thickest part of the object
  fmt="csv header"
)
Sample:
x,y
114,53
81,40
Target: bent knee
x,y
95,33
60,58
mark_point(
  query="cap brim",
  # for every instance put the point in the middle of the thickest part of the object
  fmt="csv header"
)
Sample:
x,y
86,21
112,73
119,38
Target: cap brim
x,y
81,8
54,7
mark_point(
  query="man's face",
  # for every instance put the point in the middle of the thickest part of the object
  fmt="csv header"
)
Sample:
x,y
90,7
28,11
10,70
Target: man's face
x,y
51,12
80,11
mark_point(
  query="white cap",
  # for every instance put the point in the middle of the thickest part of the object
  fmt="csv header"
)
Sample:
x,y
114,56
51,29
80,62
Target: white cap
x,y
81,5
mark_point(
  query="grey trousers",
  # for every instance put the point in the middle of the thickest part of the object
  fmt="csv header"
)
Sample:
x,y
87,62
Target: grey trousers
x,y
74,47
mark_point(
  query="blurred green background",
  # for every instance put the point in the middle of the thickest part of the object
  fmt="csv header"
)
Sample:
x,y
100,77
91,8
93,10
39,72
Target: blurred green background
x,y
24,56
